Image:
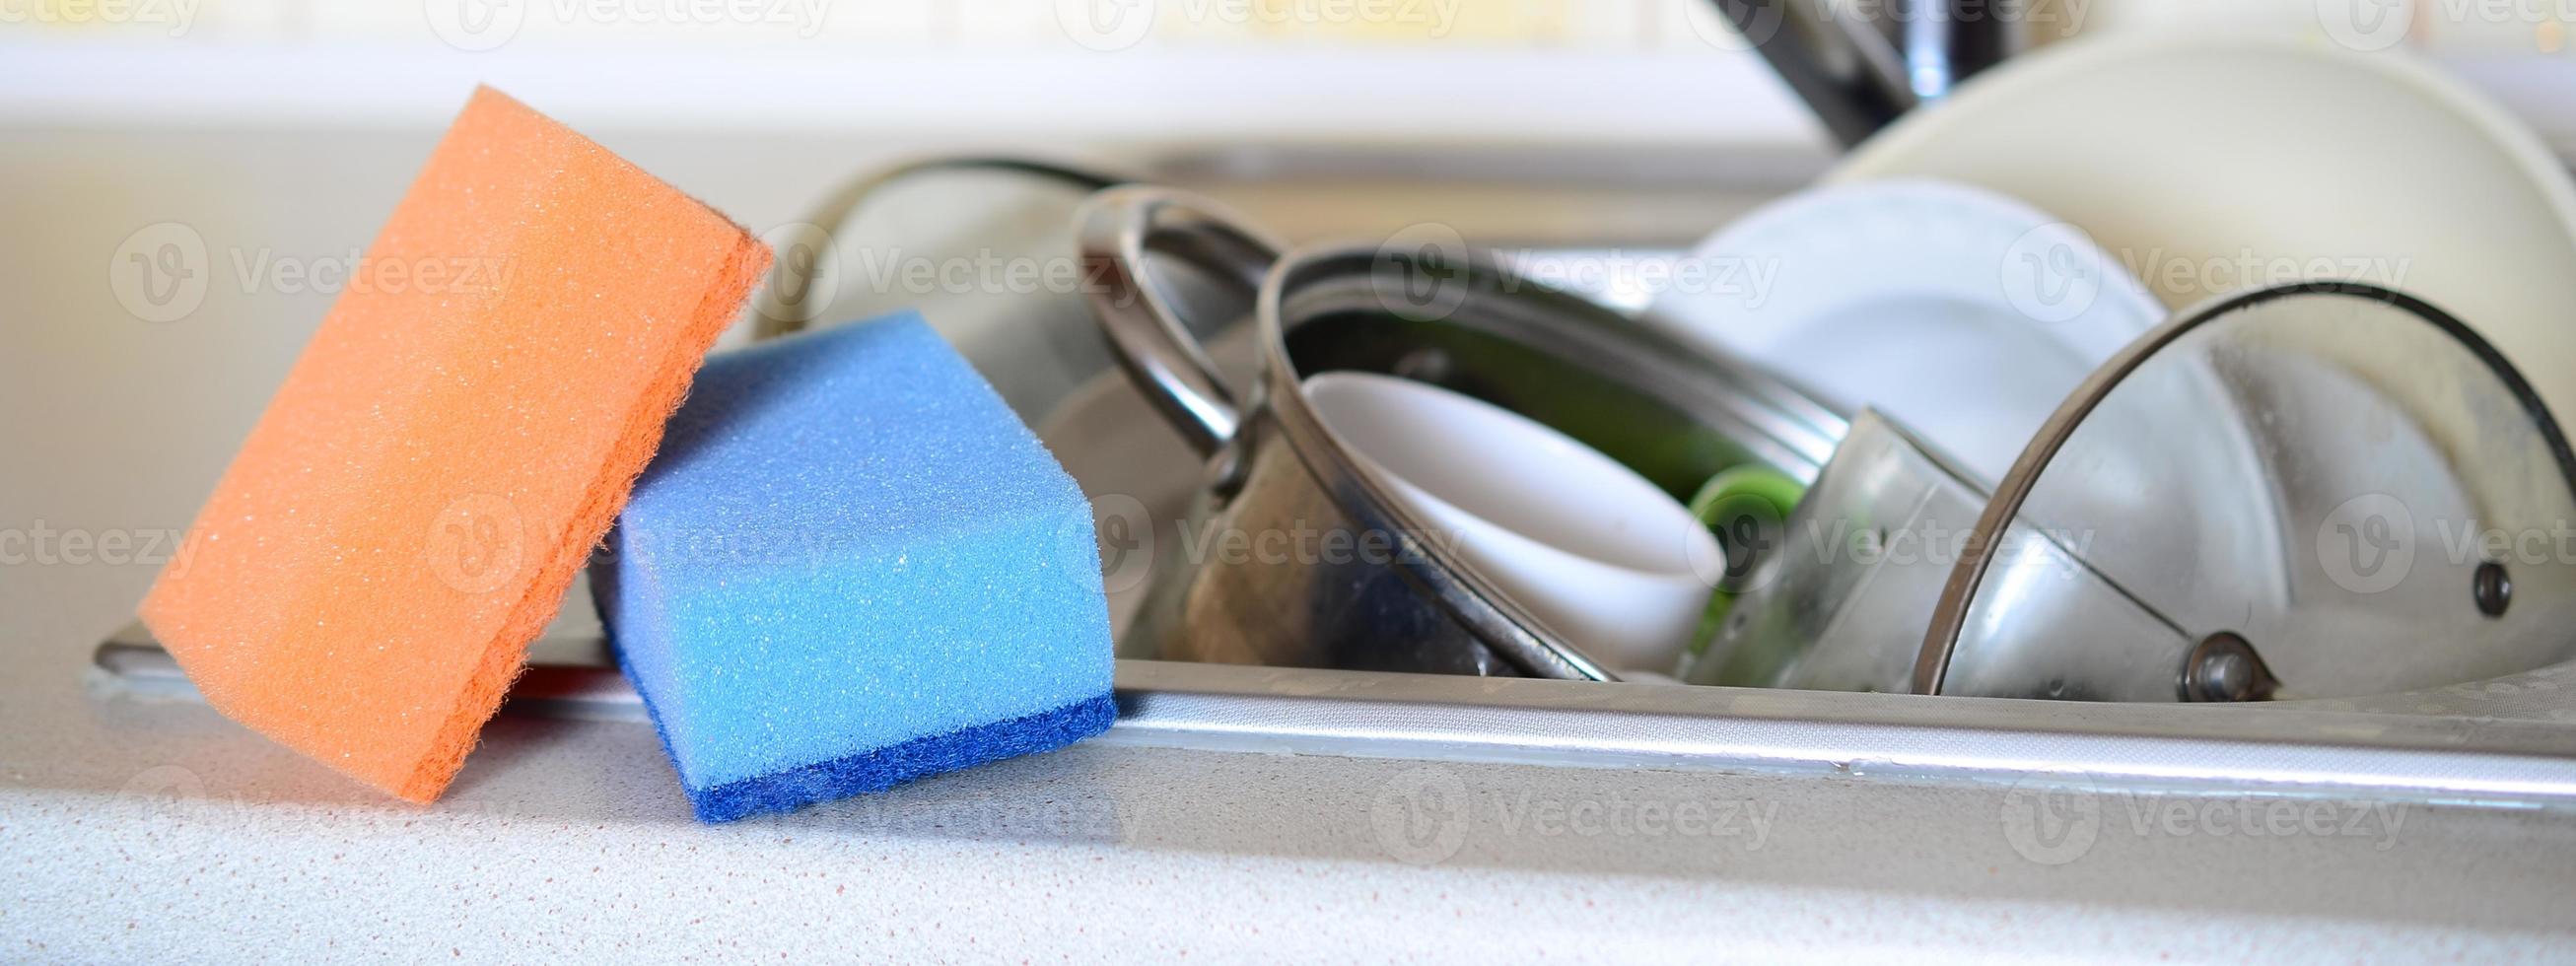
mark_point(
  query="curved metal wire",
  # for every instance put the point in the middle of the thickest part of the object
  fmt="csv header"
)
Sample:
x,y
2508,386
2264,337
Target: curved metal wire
x,y
836,210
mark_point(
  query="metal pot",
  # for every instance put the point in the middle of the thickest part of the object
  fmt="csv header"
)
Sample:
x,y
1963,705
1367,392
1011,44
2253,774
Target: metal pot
x,y
1393,597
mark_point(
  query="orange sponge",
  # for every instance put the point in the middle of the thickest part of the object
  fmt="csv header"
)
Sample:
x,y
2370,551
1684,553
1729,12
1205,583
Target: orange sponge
x,y
452,444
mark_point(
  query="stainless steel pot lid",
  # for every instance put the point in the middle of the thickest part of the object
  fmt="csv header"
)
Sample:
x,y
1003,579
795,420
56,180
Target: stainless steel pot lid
x,y
2418,499
2322,490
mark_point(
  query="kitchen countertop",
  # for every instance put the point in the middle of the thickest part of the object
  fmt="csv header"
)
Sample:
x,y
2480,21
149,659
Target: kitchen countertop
x,y
133,827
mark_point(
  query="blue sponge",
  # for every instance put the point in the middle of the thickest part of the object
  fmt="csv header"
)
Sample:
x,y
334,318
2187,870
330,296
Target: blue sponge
x,y
851,566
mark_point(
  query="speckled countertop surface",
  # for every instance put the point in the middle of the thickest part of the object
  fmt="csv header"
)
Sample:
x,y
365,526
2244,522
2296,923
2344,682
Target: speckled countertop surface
x,y
134,830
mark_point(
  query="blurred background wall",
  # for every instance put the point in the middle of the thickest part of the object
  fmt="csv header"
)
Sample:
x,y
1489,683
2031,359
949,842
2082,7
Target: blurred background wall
x,y
258,135
1637,70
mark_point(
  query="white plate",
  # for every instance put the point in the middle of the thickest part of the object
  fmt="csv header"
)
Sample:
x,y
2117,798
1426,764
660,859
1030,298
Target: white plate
x,y
1966,315
2195,160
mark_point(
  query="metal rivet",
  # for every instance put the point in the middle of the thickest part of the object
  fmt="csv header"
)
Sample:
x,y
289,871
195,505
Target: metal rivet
x,y
2492,588
1226,475
2224,667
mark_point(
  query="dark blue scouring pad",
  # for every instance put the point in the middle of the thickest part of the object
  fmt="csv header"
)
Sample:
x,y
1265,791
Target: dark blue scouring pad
x,y
849,567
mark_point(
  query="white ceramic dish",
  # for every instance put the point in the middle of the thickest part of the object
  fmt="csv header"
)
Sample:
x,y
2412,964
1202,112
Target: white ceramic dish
x,y
2200,163
1966,315
1594,551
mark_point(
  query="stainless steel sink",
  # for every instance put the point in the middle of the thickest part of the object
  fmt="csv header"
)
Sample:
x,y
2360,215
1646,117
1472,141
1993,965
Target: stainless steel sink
x,y
2509,742
2511,745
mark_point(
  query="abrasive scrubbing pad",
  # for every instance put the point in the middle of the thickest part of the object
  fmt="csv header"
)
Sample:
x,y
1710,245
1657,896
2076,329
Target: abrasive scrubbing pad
x,y
450,447
850,567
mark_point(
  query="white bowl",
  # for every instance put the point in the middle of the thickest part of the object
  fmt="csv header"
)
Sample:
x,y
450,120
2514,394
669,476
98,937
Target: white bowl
x,y
2200,162
1603,558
